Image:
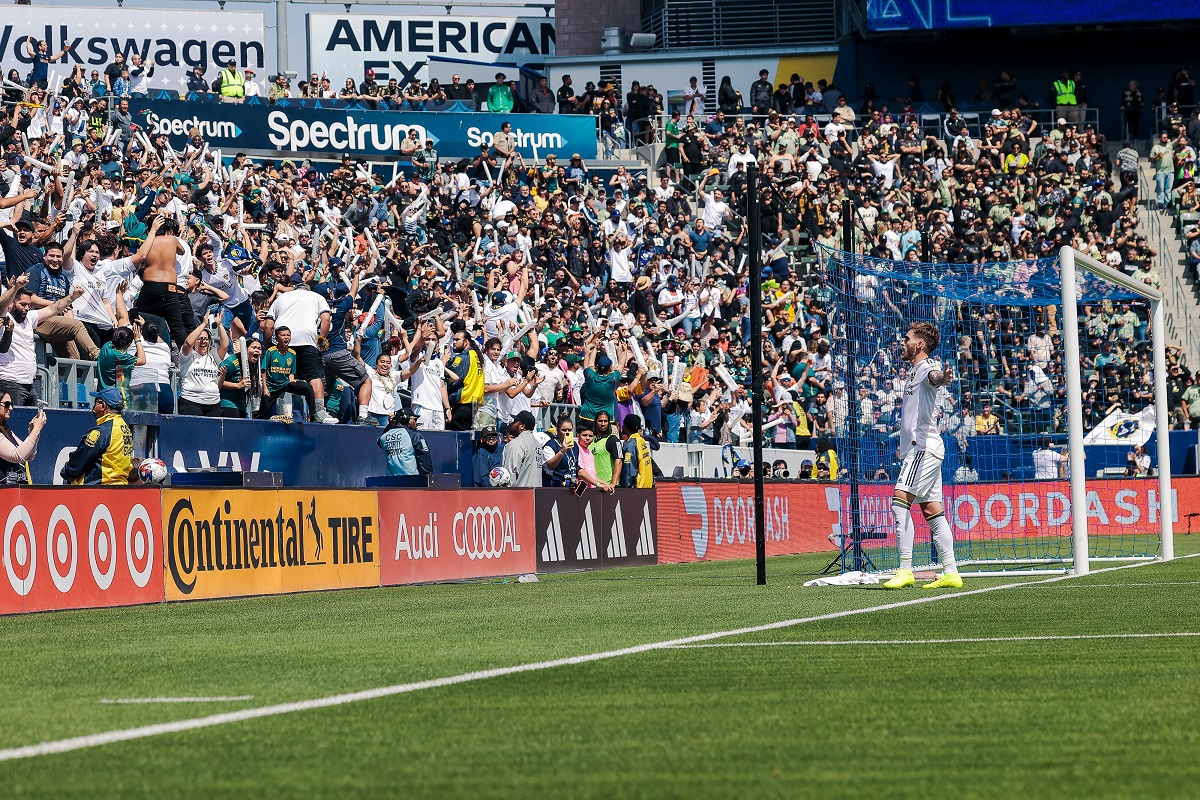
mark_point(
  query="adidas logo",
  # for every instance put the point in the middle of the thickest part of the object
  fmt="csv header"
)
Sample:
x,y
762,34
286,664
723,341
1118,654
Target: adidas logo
x,y
617,547
554,549
616,537
645,545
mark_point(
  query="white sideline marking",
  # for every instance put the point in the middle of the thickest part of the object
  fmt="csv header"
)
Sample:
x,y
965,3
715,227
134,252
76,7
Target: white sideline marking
x,y
1118,585
940,641
122,701
179,726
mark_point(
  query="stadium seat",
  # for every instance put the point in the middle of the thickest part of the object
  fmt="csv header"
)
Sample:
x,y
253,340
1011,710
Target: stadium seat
x,y
931,124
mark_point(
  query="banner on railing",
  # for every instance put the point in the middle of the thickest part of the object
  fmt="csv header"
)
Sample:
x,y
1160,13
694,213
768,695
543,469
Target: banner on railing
x,y
436,535
595,531
82,548
714,520
366,132
230,543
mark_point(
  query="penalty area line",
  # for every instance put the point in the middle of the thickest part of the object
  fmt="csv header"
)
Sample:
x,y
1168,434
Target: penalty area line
x,y
127,701
969,640
243,715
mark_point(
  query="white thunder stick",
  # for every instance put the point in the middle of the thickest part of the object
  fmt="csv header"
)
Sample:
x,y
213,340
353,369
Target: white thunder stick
x,y
433,262
725,377
610,349
244,362
39,164
676,374
637,352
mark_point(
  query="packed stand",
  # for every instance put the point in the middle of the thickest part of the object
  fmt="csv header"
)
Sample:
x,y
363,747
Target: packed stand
x,y
482,292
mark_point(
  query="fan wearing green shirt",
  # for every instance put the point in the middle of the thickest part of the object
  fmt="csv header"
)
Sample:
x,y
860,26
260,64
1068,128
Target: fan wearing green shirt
x,y
279,375
236,388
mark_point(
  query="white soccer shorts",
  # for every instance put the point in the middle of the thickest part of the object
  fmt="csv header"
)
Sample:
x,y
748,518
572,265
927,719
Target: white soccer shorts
x,y
430,419
921,476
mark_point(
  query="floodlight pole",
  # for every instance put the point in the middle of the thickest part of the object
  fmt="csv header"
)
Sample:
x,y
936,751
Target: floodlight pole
x,y
754,237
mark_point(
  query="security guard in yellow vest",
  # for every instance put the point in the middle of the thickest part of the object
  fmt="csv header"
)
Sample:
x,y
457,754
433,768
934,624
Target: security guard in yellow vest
x,y
1064,96
637,470
233,84
105,454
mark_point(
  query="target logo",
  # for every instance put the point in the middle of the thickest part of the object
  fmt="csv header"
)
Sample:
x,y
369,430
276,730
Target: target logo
x,y
87,549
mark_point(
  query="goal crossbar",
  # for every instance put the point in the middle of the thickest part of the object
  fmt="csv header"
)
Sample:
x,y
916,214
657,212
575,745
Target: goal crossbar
x,y
1070,262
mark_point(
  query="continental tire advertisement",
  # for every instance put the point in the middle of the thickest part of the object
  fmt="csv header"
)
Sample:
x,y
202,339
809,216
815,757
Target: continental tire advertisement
x,y
449,535
709,521
595,531
80,548
232,543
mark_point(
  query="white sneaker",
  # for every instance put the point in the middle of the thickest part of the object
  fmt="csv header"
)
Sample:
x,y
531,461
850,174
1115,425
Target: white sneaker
x,y
325,418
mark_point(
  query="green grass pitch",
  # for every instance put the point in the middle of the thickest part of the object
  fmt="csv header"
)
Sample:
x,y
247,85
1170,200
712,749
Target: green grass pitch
x,y
1093,717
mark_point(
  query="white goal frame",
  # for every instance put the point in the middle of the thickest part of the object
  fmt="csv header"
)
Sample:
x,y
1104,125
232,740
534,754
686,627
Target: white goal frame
x,y
1070,262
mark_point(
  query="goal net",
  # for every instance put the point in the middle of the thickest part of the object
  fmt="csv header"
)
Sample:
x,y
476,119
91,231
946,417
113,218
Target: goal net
x,y
1054,427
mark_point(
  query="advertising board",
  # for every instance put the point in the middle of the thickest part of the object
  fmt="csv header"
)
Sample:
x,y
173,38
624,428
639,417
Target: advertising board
x,y
432,535
714,520
902,15
429,46
174,40
595,531
367,132
83,548
231,543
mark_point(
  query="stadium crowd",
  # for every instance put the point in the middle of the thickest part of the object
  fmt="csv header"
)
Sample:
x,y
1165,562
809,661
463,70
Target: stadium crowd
x,y
467,292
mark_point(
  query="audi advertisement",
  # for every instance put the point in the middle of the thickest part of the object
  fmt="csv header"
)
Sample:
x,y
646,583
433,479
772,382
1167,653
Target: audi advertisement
x,y
440,535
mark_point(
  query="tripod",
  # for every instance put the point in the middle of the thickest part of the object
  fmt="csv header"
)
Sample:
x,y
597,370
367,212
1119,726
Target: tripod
x,y
860,558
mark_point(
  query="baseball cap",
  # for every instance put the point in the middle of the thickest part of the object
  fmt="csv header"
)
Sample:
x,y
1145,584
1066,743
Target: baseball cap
x,y
111,397
488,430
527,420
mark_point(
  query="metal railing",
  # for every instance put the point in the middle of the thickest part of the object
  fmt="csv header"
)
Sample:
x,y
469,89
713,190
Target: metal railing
x,y
70,382
931,123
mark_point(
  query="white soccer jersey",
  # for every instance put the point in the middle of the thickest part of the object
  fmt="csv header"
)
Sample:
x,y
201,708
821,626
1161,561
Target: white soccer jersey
x,y
919,413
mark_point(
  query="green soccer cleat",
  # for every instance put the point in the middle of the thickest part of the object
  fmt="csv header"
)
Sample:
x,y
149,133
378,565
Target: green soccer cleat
x,y
903,579
947,580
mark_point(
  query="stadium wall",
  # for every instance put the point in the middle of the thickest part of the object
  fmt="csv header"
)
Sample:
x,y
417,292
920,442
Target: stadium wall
x,y
95,548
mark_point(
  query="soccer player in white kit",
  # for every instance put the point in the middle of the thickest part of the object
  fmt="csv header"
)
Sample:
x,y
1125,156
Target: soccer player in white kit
x,y
921,451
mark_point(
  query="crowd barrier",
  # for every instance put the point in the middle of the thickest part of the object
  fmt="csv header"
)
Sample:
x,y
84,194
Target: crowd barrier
x,y
94,548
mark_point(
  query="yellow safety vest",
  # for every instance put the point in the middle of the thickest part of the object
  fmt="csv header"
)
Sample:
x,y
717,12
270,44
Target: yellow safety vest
x,y
1065,93
233,83
645,464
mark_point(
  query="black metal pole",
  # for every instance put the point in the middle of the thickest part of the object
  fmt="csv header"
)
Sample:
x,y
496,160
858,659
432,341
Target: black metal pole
x,y
853,426
754,238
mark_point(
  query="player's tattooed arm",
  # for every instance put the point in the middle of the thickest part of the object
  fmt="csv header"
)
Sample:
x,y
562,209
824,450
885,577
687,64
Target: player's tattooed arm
x,y
940,377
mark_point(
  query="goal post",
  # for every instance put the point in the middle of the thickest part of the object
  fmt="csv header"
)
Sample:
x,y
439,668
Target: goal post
x,y
1058,400
1071,261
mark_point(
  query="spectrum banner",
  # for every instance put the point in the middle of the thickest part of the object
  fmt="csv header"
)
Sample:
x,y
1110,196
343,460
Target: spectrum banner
x,y
232,543
596,531
714,520
431,535
82,548
367,132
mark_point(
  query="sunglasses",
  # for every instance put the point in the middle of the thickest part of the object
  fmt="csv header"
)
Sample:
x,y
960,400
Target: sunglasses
x,y
7,404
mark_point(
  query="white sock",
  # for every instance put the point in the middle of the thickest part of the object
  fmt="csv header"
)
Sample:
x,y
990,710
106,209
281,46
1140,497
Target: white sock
x,y
901,510
362,412
943,537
